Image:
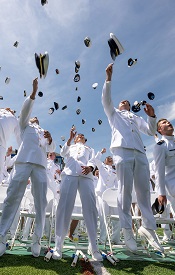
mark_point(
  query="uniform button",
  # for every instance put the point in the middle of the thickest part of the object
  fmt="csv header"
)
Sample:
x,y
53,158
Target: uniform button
x,y
132,130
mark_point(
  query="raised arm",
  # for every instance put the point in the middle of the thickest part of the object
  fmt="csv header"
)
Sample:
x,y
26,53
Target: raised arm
x,y
27,106
106,92
65,149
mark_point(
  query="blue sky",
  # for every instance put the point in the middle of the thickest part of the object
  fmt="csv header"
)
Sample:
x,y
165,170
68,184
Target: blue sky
x,y
146,30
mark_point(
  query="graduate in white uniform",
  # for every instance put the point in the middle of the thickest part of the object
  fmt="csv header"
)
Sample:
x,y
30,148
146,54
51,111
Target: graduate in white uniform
x,y
8,126
107,179
131,163
31,162
53,172
53,169
77,175
164,161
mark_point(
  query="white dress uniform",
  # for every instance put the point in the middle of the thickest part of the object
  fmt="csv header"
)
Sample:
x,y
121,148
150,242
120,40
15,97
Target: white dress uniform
x,y
72,179
164,157
31,161
51,170
107,179
8,125
130,159
164,168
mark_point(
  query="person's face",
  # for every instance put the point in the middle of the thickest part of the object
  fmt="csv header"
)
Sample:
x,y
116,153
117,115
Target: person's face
x,y
124,105
80,138
51,156
109,161
165,128
34,120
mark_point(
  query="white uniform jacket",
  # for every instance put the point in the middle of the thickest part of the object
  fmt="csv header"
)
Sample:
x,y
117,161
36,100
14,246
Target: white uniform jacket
x,y
164,157
34,146
125,125
77,155
107,176
8,125
51,168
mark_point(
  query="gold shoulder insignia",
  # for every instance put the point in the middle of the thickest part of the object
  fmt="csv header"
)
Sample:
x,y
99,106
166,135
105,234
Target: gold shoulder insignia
x,y
160,142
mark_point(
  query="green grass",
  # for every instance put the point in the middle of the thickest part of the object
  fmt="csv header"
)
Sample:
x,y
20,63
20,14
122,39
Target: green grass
x,y
17,265
12,264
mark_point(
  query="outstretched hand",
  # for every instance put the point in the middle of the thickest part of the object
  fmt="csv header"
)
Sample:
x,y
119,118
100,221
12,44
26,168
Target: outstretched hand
x,y
109,71
35,88
72,135
149,110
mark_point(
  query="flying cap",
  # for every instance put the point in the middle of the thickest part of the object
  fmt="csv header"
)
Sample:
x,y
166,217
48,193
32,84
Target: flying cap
x,y
93,129
87,41
40,94
78,111
1,97
16,44
115,46
43,2
62,138
57,71
76,78
25,93
135,108
94,86
7,80
151,96
56,105
42,63
64,107
78,99
131,62
99,121
51,110
83,121
77,64
157,208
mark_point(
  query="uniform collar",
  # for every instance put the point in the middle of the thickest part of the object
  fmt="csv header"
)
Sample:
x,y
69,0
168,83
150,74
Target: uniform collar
x,y
168,137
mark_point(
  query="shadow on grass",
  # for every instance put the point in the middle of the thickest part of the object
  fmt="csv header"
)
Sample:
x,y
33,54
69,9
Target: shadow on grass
x,y
25,264
140,267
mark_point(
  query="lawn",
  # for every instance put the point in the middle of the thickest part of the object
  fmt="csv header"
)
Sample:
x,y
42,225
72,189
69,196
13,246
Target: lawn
x,y
17,265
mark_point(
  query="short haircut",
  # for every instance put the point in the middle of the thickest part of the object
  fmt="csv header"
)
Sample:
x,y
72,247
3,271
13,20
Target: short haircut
x,y
162,119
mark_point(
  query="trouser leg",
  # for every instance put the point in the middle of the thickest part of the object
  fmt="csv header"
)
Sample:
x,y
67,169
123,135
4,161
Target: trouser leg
x,y
2,162
39,191
142,188
101,219
15,223
88,199
15,193
116,226
125,185
65,206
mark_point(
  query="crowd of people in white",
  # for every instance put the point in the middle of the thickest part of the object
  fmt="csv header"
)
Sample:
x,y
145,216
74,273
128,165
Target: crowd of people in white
x,y
34,168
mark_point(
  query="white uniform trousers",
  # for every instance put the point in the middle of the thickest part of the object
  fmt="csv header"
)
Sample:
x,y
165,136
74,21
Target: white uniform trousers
x,y
2,162
15,193
132,165
68,191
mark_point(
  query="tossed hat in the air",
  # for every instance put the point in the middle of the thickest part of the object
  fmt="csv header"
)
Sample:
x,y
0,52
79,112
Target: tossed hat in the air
x,y
116,47
42,63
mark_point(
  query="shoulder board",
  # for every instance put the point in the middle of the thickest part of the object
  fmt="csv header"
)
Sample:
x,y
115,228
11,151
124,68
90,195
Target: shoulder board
x,y
160,142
